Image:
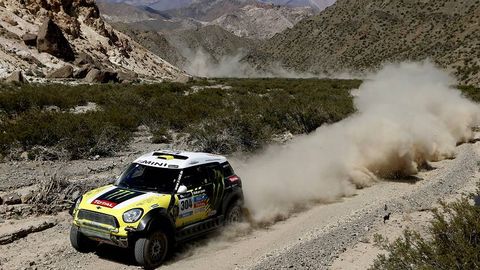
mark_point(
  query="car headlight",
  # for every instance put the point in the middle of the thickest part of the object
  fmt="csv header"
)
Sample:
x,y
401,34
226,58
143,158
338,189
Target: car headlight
x,y
132,215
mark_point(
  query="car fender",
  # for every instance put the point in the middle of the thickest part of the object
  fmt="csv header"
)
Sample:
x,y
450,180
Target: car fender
x,y
156,218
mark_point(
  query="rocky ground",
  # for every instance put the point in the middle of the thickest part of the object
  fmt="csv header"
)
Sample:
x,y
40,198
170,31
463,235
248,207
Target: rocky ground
x,y
337,235
58,40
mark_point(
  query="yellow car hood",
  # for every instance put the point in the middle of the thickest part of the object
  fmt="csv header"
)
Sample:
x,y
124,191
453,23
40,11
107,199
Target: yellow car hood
x,y
115,200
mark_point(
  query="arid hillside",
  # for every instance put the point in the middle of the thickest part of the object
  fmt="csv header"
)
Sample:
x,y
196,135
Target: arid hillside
x,y
361,35
67,39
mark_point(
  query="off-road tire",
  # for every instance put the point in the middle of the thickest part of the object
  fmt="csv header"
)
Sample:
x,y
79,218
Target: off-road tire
x,y
80,242
151,251
234,213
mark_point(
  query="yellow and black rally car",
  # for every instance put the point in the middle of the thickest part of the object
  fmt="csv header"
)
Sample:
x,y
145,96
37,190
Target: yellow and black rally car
x,y
162,198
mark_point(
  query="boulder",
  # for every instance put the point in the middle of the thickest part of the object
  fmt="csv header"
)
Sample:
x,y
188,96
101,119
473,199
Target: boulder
x,y
127,77
82,72
63,72
27,196
16,76
29,39
83,59
110,76
11,199
95,76
101,76
51,40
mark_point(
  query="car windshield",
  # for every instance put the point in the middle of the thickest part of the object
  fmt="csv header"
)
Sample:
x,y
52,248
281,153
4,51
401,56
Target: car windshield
x,y
143,177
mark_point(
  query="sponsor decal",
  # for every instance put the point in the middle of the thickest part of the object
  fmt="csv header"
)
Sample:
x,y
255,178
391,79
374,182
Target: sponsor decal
x,y
212,213
115,197
200,204
186,195
200,198
196,192
186,214
104,203
199,210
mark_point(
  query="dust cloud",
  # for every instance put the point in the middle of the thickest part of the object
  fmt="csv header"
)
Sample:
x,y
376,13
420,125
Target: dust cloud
x,y
203,64
407,114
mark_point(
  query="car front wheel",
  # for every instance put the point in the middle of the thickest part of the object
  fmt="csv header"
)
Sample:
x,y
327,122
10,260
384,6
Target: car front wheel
x,y
151,251
80,242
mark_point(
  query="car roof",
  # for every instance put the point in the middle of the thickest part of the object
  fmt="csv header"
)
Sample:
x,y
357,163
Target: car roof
x,y
172,159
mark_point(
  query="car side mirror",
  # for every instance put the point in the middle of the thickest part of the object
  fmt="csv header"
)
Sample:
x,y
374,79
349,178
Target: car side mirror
x,y
182,189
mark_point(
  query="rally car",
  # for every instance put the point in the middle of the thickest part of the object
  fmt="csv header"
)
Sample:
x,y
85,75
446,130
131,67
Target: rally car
x,y
162,198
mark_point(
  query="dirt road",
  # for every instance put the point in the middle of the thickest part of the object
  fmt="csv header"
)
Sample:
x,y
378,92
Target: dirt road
x,y
337,235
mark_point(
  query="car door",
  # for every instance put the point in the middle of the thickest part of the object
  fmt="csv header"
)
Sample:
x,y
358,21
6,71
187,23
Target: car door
x,y
194,205
216,187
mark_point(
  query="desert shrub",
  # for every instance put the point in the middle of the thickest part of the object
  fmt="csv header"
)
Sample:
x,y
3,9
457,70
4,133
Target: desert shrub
x,y
453,242
241,118
471,92
161,135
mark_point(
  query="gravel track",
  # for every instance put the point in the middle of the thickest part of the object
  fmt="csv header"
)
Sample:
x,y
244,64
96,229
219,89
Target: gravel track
x,y
320,251
312,239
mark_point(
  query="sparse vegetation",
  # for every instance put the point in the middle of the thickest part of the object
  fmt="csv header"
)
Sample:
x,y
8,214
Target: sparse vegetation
x,y
242,117
453,242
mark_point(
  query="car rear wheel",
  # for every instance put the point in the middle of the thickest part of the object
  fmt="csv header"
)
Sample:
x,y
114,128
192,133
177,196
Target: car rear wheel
x,y
80,242
151,251
234,214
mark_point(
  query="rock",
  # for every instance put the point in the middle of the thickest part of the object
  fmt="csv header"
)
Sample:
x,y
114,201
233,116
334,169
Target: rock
x,y
110,76
75,195
52,108
94,76
476,199
16,76
63,72
51,40
11,199
127,77
101,76
10,21
24,155
27,196
83,59
29,39
81,72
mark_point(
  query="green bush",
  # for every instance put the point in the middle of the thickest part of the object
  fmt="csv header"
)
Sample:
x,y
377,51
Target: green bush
x,y
453,242
241,118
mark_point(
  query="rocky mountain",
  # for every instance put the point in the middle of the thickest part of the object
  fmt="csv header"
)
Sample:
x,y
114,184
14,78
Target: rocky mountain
x,y
65,39
154,42
257,21
208,10
355,35
261,21
156,4
121,12
170,5
144,18
318,5
212,39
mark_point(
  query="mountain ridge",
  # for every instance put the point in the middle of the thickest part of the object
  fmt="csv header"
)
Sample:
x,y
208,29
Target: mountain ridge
x,y
363,35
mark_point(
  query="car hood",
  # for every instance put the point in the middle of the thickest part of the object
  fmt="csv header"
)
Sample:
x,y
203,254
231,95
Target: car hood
x,y
115,200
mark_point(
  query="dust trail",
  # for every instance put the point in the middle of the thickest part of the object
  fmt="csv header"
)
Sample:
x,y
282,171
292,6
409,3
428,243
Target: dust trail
x,y
200,63
407,114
